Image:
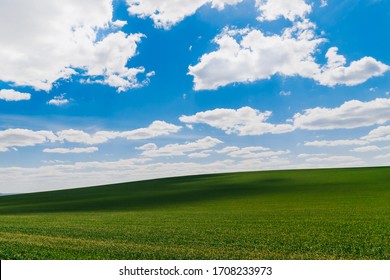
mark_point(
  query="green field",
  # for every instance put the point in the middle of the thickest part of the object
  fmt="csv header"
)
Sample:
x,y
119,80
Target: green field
x,y
303,214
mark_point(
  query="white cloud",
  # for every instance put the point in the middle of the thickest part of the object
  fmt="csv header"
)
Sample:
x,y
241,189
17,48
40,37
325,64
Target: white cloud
x,y
72,150
227,149
59,100
335,143
79,136
12,95
166,13
366,149
337,159
151,150
351,114
289,9
243,121
24,138
324,3
45,41
199,155
155,129
381,133
247,55
336,73
255,57
310,155
256,152
148,147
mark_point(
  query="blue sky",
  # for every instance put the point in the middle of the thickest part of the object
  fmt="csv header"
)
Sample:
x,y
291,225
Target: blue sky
x,y
111,91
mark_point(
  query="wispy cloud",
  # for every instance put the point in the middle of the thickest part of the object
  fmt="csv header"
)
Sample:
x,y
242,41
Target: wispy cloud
x,y
71,150
152,150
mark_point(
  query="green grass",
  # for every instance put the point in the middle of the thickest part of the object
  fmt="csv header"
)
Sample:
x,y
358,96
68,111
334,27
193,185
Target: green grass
x,y
303,214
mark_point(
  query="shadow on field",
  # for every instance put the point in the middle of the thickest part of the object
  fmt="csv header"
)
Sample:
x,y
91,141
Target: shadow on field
x,y
179,191
144,195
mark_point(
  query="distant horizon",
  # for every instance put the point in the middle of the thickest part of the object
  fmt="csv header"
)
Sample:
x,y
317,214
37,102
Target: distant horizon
x,y
96,92
200,174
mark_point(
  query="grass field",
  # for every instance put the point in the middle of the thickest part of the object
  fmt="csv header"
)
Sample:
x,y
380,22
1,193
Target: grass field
x,y
303,214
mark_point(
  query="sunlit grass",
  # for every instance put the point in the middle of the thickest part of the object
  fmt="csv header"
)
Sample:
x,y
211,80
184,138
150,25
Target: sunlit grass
x,y
306,214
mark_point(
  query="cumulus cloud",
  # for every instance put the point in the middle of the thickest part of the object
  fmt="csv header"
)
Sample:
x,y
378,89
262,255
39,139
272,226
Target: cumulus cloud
x,y
351,114
79,136
334,72
288,9
60,40
59,100
381,133
71,150
248,55
12,95
166,13
151,150
24,138
243,121
156,129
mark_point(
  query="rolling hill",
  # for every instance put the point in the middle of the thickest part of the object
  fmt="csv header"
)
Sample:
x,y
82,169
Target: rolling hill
x,y
297,214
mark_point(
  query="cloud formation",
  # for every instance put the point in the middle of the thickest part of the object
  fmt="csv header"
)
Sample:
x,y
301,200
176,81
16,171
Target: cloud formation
x,y
59,100
351,114
12,95
255,152
381,133
366,149
288,9
335,143
247,55
152,150
243,121
71,150
60,40
25,137
166,13
344,160
334,72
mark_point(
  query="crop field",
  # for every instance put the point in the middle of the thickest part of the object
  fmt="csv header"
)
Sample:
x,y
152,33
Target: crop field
x,y
302,214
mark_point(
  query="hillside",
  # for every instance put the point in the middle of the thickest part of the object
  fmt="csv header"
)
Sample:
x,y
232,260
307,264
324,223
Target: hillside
x,y
302,214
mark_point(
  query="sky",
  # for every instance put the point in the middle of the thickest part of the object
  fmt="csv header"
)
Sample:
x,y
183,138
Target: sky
x,y
98,91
